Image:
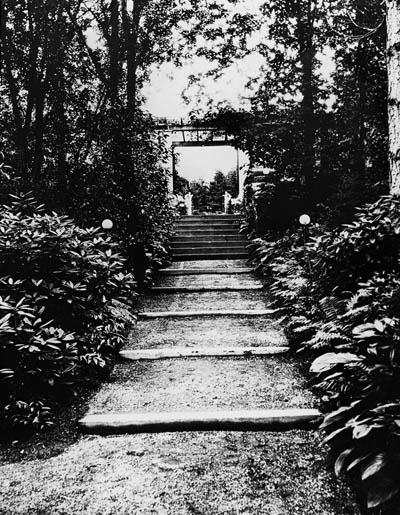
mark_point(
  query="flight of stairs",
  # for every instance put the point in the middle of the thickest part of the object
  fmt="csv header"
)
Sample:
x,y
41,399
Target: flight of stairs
x,y
208,237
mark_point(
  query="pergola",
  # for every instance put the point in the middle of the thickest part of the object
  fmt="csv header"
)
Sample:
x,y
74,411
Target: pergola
x,y
192,133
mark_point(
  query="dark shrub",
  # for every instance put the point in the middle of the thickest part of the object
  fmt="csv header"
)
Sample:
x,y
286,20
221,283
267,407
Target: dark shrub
x,y
57,284
354,252
364,430
343,303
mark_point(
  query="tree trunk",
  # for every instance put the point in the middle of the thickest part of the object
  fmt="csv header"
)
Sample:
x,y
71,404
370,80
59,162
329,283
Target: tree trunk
x,y
307,54
131,28
393,66
39,136
114,69
21,128
360,136
61,130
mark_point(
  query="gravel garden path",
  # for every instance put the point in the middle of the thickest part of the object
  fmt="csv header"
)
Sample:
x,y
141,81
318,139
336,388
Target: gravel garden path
x,y
191,472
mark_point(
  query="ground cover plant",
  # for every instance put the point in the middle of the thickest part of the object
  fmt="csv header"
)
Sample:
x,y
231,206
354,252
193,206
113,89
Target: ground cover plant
x,y
340,298
59,324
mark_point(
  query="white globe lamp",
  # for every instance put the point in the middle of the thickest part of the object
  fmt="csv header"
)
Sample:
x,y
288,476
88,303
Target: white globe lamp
x,y
304,220
107,224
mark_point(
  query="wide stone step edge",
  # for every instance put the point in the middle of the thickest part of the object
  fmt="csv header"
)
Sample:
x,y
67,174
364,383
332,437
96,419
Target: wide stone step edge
x,y
210,238
202,257
212,248
200,289
200,352
220,244
213,420
207,313
205,271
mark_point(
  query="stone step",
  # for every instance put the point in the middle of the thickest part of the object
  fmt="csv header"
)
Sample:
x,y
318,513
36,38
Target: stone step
x,y
191,244
207,218
218,229
213,420
194,289
210,238
205,232
210,249
205,271
207,313
208,301
230,331
199,352
206,223
207,255
222,263
212,280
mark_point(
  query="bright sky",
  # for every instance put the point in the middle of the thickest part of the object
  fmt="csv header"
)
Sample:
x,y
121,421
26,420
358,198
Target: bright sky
x,y
202,162
164,98
168,82
163,92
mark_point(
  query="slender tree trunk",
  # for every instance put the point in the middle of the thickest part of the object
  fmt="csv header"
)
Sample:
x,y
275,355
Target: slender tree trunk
x,y
61,130
132,64
39,136
360,136
131,29
307,55
126,24
114,69
393,65
21,129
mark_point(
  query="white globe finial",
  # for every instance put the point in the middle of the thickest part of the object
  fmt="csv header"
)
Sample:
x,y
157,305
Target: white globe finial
x,y
304,219
107,224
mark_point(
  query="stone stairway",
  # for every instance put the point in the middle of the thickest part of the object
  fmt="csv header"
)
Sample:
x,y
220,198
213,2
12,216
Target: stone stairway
x,y
206,412
196,297
208,237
